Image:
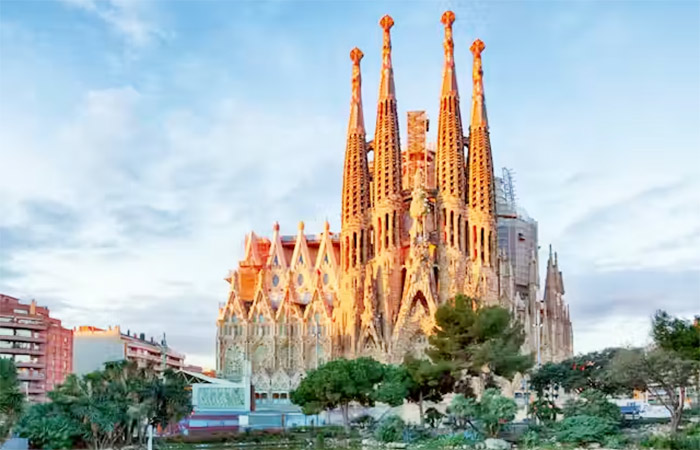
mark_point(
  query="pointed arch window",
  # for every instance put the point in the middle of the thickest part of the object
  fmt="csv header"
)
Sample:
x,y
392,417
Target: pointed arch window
x,y
301,259
276,261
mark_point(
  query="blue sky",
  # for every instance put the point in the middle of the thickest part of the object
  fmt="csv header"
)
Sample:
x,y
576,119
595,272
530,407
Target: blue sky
x,y
140,141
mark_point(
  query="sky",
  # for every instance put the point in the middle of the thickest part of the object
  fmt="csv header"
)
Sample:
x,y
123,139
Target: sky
x,y
140,142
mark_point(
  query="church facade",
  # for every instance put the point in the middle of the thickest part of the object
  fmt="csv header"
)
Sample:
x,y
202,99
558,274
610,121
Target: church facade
x,y
419,225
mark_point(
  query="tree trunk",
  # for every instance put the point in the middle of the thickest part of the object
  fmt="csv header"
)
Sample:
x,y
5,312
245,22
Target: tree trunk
x,y
346,418
677,413
420,409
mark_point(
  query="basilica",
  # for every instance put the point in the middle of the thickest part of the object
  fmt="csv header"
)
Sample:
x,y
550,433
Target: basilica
x,y
420,223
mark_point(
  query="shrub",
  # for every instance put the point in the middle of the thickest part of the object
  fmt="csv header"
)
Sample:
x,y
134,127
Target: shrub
x,y
390,429
433,417
364,422
48,428
672,442
593,403
584,429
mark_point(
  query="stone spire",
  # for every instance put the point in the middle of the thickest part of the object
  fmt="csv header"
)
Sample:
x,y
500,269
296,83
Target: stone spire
x,y
388,197
354,232
450,149
481,183
387,151
355,176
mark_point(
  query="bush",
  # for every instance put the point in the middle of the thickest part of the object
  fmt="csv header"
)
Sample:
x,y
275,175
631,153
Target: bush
x,y
677,442
593,403
364,422
47,427
584,429
433,417
390,429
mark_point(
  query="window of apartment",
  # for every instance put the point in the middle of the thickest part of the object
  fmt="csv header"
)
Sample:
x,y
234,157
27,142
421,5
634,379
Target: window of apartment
x,y
23,333
20,311
6,331
5,344
5,319
23,358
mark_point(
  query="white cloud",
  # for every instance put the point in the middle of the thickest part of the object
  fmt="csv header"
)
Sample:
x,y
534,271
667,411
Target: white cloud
x,y
132,19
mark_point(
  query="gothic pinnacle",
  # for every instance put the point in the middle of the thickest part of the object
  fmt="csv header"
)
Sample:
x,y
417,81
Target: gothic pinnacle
x,y
357,120
478,119
386,85
449,78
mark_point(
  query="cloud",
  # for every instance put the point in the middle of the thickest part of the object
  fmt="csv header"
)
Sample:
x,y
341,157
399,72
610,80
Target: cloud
x,y
150,218
131,19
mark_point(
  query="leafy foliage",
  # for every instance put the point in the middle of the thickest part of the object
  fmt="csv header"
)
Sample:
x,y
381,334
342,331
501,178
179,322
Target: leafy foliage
x,y
492,411
390,429
584,429
11,398
339,382
474,339
678,335
593,403
662,372
433,417
589,371
545,410
106,408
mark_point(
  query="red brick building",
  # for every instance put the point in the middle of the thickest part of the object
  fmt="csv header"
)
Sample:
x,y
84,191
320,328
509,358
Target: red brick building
x,y
40,347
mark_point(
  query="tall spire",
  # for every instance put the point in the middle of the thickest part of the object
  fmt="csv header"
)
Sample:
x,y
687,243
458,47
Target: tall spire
x,y
386,84
451,180
357,120
481,179
356,173
387,151
449,78
479,118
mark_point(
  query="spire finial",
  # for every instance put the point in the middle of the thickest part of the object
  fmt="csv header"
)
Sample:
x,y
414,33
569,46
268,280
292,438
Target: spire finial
x,y
550,251
276,226
479,118
449,78
386,84
357,120
327,226
301,226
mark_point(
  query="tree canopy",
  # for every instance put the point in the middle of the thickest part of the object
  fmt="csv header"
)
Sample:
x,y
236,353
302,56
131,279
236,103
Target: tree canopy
x,y
338,383
678,335
106,408
11,398
473,339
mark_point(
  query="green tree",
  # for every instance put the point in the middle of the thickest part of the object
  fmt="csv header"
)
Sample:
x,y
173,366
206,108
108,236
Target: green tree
x,y
678,335
663,373
593,403
11,398
418,381
486,338
338,383
106,408
588,371
492,411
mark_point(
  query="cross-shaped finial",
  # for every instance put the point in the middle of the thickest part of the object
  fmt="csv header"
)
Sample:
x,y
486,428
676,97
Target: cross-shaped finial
x,y
386,22
356,55
448,18
477,47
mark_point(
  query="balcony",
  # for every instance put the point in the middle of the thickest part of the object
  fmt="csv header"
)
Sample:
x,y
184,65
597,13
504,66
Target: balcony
x,y
25,326
38,340
22,351
30,365
36,376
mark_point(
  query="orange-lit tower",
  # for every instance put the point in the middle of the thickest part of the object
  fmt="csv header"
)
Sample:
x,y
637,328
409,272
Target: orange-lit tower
x,y
354,215
451,181
482,199
387,208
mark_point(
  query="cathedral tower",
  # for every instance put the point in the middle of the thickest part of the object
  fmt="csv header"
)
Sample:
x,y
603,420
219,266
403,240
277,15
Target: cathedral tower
x,y
481,191
355,216
451,181
387,208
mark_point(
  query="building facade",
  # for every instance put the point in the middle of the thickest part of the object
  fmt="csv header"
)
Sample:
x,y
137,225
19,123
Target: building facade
x,y
93,347
40,347
419,224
